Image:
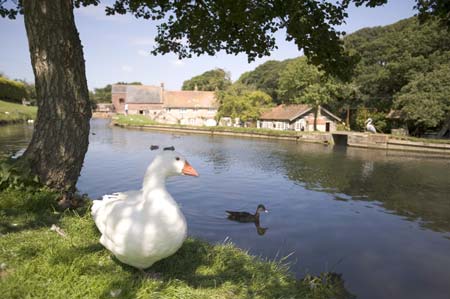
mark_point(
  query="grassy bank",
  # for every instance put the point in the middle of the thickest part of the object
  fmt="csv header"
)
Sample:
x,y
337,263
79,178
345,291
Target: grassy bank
x,y
140,120
37,262
12,113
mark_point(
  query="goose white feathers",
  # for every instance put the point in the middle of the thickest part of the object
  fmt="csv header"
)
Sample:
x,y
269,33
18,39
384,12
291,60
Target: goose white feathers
x,y
144,226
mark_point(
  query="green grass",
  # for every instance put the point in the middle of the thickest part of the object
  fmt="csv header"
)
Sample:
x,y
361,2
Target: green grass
x,y
134,120
12,112
140,120
39,263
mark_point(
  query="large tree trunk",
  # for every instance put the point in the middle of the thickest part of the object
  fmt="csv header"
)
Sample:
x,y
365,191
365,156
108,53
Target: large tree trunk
x,y
61,134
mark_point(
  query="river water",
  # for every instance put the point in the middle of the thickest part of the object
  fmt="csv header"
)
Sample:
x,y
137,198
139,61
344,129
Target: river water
x,y
381,220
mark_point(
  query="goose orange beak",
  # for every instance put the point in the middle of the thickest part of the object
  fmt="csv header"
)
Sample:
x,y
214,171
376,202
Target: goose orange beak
x,y
189,170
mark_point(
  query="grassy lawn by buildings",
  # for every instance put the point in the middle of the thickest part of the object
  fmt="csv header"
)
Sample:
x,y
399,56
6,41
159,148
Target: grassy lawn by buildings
x,y
140,120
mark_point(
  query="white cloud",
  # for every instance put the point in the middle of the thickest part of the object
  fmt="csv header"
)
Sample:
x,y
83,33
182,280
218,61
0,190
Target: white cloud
x,y
144,53
177,62
126,68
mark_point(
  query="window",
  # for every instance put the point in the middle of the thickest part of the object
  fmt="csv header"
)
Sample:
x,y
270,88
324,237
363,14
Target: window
x,y
141,111
121,101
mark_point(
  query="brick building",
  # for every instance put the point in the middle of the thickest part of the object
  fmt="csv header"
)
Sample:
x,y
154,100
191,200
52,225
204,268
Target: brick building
x,y
175,107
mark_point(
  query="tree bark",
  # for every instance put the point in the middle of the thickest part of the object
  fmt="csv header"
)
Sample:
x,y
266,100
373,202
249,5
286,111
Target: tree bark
x,y
61,133
316,114
347,119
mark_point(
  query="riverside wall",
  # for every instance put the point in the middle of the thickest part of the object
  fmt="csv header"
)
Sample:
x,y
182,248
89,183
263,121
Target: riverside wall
x,y
354,139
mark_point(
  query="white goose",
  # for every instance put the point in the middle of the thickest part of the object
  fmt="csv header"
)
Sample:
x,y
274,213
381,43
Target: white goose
x,y
144,226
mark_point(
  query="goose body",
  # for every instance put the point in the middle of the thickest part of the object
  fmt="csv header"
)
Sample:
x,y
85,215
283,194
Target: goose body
x,y
144,226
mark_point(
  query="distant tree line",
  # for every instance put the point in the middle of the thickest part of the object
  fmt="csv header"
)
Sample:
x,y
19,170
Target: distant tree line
x,y
16,90
217,79
404,66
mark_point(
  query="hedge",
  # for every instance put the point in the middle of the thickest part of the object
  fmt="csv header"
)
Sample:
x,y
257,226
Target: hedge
x,y
12,91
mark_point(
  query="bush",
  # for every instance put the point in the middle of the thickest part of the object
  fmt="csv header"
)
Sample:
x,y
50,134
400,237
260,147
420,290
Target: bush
x,y
378,120
17,176
12,91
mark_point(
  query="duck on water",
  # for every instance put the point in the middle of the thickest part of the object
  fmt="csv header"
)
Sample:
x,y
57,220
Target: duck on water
x,y
246,217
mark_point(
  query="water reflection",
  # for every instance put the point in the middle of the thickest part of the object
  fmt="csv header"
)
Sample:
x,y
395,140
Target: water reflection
x,y
379,218
419,191
246,217
14,138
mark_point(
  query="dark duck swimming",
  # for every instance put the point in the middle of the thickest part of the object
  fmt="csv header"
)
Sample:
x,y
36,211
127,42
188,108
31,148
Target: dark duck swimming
x,y
246,216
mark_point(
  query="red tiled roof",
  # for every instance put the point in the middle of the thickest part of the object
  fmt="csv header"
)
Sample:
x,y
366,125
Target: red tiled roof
x,y
286,112
190,99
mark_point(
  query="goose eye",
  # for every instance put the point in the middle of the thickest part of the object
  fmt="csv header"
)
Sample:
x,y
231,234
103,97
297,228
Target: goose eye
x,y
177,158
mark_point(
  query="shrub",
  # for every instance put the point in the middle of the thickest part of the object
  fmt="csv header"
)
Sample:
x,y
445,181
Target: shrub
x,y
12,91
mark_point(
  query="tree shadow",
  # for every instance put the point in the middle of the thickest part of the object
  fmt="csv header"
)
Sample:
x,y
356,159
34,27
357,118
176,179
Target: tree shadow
x,y
197,265
26,221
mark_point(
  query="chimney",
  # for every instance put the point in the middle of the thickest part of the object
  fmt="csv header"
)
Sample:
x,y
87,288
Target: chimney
x,y
162,93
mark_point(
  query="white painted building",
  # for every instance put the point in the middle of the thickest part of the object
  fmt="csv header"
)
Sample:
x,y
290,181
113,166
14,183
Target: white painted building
x,y
298,118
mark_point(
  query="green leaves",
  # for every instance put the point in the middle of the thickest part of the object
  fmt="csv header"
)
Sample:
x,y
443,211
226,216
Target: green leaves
x,y
392,55
101,95
304,83
17,176
11,90
265,77
426,98
189,28
217,79
242,102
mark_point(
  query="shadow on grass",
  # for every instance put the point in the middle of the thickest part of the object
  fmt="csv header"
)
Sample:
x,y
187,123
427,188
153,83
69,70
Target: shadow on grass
x,y
198,269
22,210
204,267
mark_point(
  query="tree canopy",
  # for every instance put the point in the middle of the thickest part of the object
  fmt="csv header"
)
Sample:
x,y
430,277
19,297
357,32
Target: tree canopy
x,y
392,55
394,60
265,77
217,79
425,100
13,91
240,101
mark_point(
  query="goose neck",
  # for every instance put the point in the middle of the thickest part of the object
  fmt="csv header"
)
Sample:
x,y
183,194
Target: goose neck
x,y
153,180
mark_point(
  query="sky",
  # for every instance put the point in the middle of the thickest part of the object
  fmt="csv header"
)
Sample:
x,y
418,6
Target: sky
x,y
117,48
